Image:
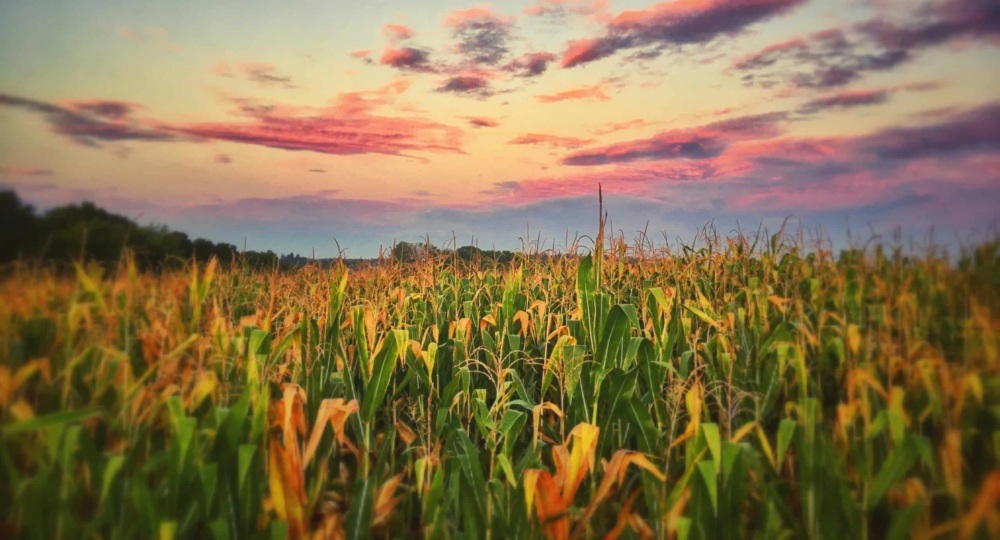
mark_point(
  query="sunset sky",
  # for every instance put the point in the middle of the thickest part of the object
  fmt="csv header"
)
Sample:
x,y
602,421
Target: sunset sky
x,y
291,124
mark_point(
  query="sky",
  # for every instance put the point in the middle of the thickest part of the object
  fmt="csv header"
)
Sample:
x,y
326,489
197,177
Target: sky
x,y
319,126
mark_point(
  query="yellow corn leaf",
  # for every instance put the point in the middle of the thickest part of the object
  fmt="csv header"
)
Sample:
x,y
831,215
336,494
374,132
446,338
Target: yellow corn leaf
x,y
853,339
335,411
984,508
551,508
487,321
766,447
743,432
640,527
524,321
581,460
405,432
676,512
614,473
693,401
464,324
331,527
286,478
9,385
530,480
205,386
5,386
20,410
537,411
385,502
778,302
415,347
624,517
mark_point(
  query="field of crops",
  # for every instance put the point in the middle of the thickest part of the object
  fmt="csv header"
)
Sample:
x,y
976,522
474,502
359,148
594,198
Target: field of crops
x,y
728,390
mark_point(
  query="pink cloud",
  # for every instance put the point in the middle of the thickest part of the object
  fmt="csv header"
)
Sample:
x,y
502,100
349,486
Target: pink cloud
x,y
398,32
361,53
348,127
597,92
25,171
614,127
407,58
477,14
552,141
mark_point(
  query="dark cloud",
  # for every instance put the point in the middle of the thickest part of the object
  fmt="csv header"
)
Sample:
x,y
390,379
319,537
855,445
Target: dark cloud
x,y
670,24
481,121
839,56
93,122
530,64
483,35
224,159
256,72
407,59
317,170
977,130
698,143
264,75
846,100
474,85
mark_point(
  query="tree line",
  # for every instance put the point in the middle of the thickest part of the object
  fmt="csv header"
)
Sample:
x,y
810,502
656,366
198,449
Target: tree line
x,y
85,231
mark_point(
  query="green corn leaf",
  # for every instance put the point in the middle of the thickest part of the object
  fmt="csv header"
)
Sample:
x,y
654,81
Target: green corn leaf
x,y
383,366
50,420
611,346
786,431
359,515
706,469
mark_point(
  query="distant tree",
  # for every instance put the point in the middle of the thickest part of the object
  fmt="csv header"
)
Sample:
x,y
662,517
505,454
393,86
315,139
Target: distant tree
x,y
404,252
468,253
18,228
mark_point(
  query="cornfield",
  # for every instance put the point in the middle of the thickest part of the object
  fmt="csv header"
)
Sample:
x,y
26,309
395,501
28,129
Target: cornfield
x,y
740,389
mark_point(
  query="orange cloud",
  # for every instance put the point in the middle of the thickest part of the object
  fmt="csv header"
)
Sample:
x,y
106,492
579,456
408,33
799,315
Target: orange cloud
x,y
597,92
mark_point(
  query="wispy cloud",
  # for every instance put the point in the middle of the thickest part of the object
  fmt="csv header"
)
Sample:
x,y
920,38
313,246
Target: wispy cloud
x,y
481,121
25,171
559,9
867,97
398,32
595,92
257,72
151,35
671,24
551,141
92,122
